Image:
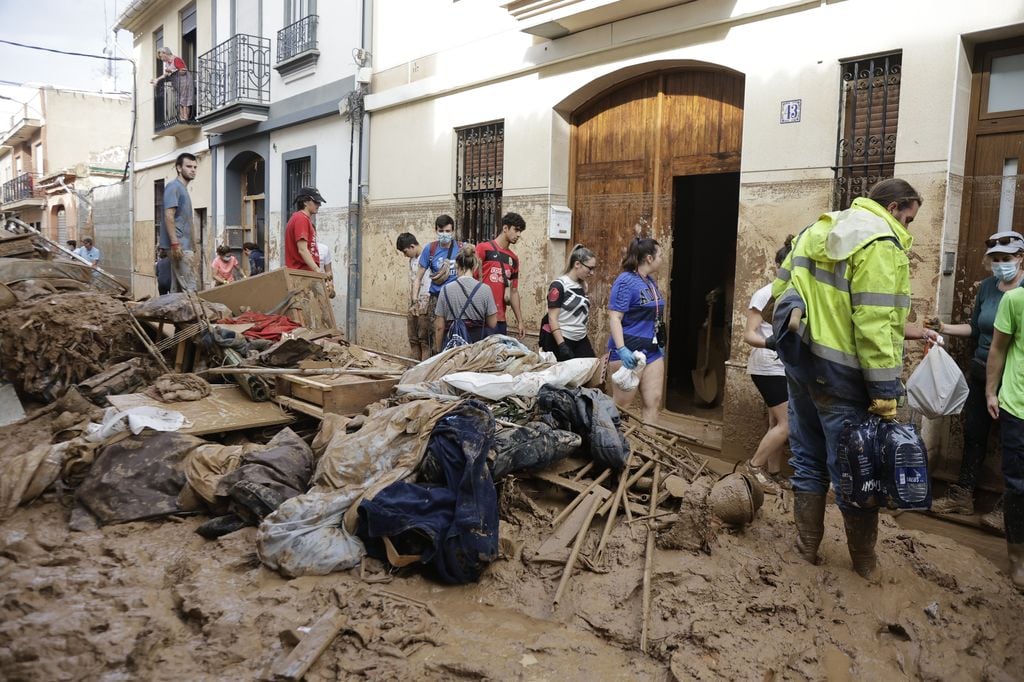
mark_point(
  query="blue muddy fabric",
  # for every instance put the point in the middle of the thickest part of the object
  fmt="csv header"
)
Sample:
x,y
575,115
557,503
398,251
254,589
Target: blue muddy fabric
x,y
452,527
591,414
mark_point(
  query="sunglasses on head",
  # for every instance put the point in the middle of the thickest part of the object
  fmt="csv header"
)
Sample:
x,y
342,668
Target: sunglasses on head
x,y
1002,241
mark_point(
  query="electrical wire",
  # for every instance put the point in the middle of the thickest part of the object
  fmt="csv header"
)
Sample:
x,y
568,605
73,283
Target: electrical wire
x,y
65,52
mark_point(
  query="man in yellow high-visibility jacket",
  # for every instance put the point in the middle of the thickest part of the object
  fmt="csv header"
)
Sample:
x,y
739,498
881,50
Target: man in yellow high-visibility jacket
x,y
849,276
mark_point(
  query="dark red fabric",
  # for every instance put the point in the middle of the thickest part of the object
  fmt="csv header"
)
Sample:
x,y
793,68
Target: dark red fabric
x,y
265,326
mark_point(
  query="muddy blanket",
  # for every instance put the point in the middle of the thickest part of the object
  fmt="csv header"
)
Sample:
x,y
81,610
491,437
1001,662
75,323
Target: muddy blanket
x,y
285,465
173,388
497,354
138,478
591,414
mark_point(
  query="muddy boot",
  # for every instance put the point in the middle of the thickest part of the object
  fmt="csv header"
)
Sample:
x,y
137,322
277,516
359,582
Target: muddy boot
x,y
958,500
809,515
259,500
221,525
861,534
994,519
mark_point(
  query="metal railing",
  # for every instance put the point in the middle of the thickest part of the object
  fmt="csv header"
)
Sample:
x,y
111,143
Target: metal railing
x,y
298,38
174,100
21,187
235,72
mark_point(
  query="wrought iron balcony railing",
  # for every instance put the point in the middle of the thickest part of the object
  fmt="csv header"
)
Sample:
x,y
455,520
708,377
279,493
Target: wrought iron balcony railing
x,y
174,101
235,72
20,188
296,39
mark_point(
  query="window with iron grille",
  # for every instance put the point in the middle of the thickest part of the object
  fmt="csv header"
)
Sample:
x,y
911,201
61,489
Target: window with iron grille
x,y
478,180
869,104
158,207
300,174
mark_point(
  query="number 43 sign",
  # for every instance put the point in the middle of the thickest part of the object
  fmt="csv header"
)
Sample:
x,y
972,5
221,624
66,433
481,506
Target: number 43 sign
x,y
790,111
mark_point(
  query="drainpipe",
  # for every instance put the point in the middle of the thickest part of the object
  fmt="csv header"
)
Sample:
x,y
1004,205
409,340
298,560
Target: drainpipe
x,y
358,167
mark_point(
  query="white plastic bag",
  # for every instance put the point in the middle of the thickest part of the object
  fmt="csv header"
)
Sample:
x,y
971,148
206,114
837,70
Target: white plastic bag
x,y
628,379
937,387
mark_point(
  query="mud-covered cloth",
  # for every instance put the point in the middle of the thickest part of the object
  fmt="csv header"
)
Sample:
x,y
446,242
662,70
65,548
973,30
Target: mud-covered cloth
x,y
173,388
285,465
591,414
306,535
137,478
177,307
496,354
452,528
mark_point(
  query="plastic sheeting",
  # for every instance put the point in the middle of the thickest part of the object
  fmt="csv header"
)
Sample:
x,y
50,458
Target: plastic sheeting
x,y
571,373
306,536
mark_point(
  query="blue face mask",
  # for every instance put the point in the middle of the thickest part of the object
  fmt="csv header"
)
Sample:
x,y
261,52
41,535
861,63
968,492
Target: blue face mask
x,y
445,238
1005,271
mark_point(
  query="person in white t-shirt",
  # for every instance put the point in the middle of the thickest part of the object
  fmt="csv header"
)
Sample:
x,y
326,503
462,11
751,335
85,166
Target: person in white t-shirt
x,y
326,267
769,376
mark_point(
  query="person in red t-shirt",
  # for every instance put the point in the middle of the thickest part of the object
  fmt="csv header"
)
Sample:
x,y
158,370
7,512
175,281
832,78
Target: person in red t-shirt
x,y
300,252
499,269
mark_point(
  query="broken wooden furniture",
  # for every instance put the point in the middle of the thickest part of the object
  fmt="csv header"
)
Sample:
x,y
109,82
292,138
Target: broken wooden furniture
x,y
297,294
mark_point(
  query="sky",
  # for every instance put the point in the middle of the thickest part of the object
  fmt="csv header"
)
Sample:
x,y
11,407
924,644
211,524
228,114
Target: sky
x,y
73,25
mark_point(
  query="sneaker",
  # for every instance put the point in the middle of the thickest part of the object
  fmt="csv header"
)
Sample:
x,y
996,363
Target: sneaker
x,y
782,480
958,500
768,483
994,519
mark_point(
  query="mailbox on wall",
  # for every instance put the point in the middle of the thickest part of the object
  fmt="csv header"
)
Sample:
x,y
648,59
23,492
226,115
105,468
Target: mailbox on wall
x,y
560,222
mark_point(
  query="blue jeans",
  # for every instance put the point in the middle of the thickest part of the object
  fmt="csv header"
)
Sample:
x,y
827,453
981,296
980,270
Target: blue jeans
x,y
815,421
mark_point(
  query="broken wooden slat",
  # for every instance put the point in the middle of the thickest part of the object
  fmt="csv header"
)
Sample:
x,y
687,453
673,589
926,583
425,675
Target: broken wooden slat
x,y
310,647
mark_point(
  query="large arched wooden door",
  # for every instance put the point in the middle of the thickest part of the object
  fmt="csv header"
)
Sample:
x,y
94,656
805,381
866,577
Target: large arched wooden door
x,y
631,146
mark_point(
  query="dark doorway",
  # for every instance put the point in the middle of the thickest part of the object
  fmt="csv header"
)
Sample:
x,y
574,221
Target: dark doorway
x,y
705,213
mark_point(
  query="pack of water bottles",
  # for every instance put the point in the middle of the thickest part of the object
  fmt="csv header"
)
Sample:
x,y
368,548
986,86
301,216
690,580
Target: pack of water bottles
x,y
883,463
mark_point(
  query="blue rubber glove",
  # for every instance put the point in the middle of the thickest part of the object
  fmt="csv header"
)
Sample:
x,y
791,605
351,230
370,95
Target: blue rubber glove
x,y
626,355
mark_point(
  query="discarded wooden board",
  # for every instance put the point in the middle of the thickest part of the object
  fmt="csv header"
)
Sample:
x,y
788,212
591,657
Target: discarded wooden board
x,y
336,394
310,647
227,408
300,295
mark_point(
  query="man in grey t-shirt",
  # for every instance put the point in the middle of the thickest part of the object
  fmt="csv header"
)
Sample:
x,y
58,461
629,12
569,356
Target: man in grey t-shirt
x,y
178,212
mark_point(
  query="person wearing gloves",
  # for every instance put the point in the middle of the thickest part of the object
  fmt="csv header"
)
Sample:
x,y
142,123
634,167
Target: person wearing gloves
x,y
564,329
636,313
842,298
1004,254
1004,396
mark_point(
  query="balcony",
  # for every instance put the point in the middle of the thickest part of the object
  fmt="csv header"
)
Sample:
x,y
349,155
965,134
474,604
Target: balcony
x,y
174,104
297,51
22,130
22,192
234,84
556,18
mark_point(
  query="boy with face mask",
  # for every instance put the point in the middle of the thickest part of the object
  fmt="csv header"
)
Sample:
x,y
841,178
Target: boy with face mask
x,y
438,258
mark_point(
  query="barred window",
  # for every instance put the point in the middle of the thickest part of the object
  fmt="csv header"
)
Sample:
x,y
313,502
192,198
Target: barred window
x,y
869,107
478,180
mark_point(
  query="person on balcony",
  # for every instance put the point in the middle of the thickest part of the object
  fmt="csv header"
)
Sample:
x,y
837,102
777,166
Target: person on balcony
x,y
176,73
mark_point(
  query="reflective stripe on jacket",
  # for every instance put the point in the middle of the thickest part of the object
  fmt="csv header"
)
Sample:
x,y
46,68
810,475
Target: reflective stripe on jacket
x,y
849,271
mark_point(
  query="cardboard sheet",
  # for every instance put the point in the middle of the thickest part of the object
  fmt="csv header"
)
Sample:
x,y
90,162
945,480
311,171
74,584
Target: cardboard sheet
x,y
227,408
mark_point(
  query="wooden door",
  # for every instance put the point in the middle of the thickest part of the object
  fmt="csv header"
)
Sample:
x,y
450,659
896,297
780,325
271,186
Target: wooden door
x,y
628,145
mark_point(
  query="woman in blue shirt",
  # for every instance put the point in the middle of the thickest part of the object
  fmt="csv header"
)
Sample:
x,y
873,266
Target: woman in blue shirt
x,y
1004,254
636,313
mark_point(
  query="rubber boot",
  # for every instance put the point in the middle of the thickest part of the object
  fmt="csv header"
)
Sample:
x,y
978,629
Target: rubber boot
x,y
994,519
957,500
809,515
861,534
1013,515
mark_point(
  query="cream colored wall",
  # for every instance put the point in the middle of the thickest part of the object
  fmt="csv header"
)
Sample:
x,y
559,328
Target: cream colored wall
x,y
338,29
79,127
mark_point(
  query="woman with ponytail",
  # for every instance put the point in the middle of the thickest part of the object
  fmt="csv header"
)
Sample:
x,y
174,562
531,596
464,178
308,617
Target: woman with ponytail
x,y
636,314
564,328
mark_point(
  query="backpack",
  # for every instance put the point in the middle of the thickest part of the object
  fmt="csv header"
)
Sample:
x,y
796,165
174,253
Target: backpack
x,y
458,333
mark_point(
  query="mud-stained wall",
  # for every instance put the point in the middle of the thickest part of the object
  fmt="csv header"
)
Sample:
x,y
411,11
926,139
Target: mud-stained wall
x,y
385,275
769,211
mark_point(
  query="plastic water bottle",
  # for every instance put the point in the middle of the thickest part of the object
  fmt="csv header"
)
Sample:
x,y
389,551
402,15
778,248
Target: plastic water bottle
x,y
859,479
905,450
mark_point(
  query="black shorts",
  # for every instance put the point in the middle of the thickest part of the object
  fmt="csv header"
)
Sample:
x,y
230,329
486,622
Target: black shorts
x,y
580,349
772,388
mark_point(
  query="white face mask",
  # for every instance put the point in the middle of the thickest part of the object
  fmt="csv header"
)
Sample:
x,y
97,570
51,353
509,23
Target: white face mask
x,y
1005,271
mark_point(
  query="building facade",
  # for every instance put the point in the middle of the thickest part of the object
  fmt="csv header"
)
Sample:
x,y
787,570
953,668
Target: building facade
x,y
268,112
55,154
718,128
